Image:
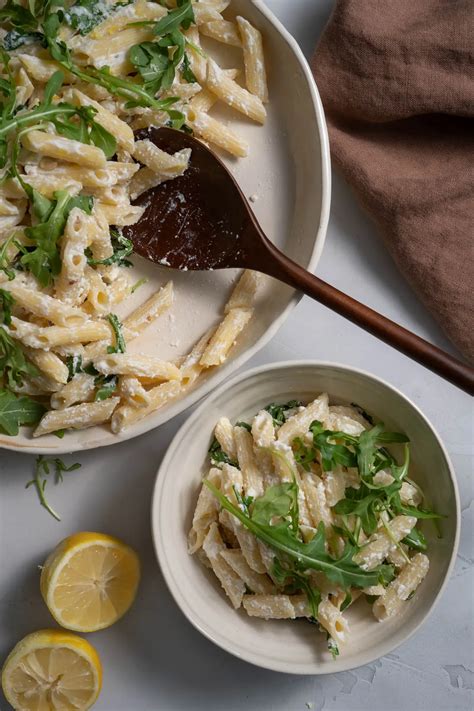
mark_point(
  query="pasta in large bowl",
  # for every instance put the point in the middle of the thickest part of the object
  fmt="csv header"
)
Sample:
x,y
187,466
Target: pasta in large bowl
x,y
97,345
303,499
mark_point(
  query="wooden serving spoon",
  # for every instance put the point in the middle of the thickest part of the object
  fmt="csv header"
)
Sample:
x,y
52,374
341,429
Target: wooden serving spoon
x,y
202,221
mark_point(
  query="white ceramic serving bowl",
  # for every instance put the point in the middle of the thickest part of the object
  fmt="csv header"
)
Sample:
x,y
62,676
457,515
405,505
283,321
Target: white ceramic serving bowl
x,y
288,173
296,646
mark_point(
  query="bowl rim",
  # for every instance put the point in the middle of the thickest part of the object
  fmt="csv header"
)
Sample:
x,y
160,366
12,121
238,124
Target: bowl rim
x,y
161,476
158,418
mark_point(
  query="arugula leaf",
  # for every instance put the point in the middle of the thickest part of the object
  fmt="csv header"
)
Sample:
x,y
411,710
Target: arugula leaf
x,y
107,386
16,411
182,16
43,260
74,365
331,454
52,87
293,580
8,89
5,262
13,364
6,303
187,72
407,510
367,448
362,504
277,502
122,247
310,556
138,284
218,456
120,345
416,540
245,425
278,411
42,471
18,16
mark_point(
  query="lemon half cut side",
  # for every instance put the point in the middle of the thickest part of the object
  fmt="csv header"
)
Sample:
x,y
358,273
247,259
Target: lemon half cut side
x,y
89,581
52,669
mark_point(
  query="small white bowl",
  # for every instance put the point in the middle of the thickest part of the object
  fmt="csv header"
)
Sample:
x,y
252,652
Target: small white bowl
x,y
296,646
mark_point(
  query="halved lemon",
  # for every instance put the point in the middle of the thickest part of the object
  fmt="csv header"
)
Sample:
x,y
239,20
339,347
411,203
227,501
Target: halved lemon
x,y
89,581
52,669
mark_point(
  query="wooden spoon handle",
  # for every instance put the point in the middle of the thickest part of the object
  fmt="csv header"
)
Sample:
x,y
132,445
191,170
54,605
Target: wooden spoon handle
x,y
281,267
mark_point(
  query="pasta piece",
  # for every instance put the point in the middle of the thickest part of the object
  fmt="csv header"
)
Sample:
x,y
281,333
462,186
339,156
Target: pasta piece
x,y
133,392
24,87
333,621
334,485
49,364
100,241
122,215
399,556
318,506
77,417
41,70
298,425
148,312
232,480
253,483
410,494
224,433
345,419
8,208
141,366
255,74
276,607
111,195
233,585
213,131
222,31
383,541
110,51
80,389
400,589
263,429
197,59
125,15
243,295
98,298
45,306
209,10
256,582
71,285
205,514
120,130
167,166
67,149
263,433
228,91
191,367
47,337
144,180
225,337
125,415
49,183
111,174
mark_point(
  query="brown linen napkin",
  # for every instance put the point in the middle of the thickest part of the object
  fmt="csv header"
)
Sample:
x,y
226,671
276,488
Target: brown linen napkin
x,y
397,83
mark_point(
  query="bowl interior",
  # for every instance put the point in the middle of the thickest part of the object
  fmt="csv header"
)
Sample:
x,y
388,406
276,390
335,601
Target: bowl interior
x,y
296,646
287,175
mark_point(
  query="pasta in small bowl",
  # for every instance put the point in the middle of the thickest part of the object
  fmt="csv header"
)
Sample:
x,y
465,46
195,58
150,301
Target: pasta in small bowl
x,y
300,499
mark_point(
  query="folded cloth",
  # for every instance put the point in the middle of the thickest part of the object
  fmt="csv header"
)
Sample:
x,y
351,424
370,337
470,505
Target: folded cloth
x,y
397,83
